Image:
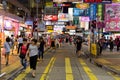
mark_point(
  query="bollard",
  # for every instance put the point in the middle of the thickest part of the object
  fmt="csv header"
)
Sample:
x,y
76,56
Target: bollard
x,y
1,74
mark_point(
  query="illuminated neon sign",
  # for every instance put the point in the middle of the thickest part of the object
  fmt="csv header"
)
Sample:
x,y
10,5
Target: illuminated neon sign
x,y
98,1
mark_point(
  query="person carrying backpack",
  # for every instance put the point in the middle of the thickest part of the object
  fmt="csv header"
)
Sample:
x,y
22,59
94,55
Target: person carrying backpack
x,y
23,53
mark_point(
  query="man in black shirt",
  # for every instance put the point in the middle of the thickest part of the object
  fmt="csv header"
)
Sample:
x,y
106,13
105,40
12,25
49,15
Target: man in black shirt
x,y
78,46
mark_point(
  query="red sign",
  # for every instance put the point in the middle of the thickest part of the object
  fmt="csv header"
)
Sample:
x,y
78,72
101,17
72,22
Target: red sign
x,y
92,1
50,17
98,1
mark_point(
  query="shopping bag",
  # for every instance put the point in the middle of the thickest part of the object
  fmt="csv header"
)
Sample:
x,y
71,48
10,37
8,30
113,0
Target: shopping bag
x,y
3,51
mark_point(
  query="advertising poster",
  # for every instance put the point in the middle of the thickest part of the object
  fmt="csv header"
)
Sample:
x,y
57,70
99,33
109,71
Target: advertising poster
x,y
50,17
93,10
58,28
112,17
63,17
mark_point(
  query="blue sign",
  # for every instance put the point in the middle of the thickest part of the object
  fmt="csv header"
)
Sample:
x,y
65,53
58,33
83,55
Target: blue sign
x,y
93,10
80,12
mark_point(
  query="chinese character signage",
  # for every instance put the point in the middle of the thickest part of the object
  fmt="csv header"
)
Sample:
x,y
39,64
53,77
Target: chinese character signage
x,y
98,1
112,17
93,10
67,1
80,12
50,17
63,17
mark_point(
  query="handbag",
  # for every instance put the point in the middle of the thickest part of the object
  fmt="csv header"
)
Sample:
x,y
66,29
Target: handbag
x,y
22,55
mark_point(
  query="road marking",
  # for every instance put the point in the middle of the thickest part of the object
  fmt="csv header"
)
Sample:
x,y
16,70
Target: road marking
x,y
69,75
88,70
48,69
22,75
114,76
11,67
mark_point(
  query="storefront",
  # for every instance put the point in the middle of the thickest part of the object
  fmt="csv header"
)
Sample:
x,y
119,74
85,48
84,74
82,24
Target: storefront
x,y
9,25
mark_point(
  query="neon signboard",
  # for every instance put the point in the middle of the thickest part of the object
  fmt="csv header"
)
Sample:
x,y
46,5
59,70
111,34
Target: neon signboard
x,y
98,1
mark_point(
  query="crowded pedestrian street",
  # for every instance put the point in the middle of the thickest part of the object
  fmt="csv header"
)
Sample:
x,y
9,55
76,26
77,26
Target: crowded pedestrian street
x,y
59,39
63,64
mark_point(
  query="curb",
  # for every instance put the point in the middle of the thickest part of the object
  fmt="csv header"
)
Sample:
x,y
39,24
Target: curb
x,y
19,70
104,67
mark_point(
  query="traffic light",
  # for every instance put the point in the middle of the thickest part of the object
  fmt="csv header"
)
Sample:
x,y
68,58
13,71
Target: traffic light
x,y
34,24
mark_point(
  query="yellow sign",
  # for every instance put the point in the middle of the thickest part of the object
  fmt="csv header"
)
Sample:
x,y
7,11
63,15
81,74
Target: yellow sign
x,y
94,49
115,1
50,30
49,27
82,5
49,4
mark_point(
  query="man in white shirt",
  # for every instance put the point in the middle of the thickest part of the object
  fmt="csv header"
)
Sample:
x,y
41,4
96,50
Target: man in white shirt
x,y
20,43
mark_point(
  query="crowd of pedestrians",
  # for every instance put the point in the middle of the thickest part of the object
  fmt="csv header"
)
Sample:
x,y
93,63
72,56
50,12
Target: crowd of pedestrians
x,y
109,43
30,49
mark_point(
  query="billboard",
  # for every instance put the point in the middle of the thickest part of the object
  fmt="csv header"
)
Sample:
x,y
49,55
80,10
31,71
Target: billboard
x,y
80,12
93,11
98,1
50,17
63,17
112,17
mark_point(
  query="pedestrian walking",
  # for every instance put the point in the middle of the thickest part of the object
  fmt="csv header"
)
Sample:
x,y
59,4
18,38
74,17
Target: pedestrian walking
x,y
7,47
20,42
117,41
53,45
41,49
23,53
100,43
33,54
111,43
78,46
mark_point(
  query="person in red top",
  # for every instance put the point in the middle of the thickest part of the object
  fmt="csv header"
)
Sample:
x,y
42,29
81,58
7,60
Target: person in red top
x,y
23,53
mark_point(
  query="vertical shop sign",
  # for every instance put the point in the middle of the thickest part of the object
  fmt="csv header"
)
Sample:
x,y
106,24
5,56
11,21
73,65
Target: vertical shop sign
x,y
76,20
100,11
93,10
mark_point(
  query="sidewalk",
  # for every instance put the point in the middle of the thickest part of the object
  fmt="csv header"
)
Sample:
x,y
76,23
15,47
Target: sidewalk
x,y
109,60
14,63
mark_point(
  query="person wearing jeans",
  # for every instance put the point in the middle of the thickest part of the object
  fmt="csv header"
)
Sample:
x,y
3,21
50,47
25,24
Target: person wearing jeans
x,y
23,53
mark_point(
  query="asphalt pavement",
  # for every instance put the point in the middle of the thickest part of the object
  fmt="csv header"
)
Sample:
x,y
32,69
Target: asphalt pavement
x,y
63,64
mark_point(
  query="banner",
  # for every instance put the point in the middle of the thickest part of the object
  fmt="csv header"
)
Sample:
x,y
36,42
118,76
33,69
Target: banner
x,y
98,1
93,10
100,11
112,17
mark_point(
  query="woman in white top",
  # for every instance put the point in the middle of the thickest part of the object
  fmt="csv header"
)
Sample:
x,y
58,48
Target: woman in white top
x,y
33,54
7,50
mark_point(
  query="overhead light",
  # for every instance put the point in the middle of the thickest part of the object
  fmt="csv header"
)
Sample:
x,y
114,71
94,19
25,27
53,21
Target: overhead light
x,y
77,2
